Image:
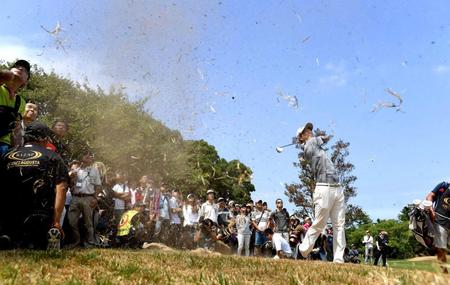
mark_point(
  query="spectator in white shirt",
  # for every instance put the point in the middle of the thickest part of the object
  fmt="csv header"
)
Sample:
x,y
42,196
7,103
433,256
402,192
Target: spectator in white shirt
x,y
209,210
190,214
281,246
175,221
260,219
368,244
84,200
121,196
190,211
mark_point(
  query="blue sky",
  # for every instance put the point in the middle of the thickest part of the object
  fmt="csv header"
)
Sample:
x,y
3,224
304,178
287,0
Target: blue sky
x,y
213,69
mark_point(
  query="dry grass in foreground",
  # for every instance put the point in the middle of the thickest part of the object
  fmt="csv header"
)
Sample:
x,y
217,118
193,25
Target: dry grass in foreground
x,y
107,266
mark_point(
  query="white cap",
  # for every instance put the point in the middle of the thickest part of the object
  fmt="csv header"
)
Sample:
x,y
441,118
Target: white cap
x,y
306,126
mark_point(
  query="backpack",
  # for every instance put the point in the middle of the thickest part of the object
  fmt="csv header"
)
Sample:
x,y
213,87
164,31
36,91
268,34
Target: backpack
x,y
8,116
422,227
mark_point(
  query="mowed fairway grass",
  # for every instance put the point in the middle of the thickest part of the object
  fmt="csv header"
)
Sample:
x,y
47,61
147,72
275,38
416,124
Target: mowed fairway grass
x,y
110,266
430,264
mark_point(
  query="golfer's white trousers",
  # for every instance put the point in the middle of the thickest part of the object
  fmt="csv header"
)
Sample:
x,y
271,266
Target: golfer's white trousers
x,y
328,203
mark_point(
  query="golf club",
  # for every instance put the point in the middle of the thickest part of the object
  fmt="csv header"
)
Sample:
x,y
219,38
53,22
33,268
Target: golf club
x,y
281,148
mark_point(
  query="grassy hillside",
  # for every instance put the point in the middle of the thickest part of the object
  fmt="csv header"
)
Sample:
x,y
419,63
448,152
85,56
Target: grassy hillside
x,y
156,267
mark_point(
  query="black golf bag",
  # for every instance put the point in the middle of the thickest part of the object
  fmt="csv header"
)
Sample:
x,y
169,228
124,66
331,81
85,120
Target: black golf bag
x,y
422,227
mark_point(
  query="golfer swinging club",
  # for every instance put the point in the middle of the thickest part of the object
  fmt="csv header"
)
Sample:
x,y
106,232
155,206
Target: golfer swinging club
x,y
328,196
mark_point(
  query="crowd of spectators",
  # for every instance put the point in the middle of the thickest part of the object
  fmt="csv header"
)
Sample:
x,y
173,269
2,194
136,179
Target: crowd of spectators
x,y
78,204
129,214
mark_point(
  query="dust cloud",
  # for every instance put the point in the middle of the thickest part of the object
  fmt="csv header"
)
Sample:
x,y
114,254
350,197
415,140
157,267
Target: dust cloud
x,y
147,49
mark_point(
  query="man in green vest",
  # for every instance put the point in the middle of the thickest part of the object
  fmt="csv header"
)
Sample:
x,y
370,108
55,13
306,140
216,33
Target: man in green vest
x,y
11,104
130,231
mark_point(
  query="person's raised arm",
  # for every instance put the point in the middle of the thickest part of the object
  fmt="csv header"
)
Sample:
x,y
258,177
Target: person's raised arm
x,y
430,197
5,76
60,199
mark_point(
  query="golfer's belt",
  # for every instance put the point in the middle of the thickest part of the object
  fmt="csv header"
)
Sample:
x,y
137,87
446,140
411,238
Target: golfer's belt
x,y
334,185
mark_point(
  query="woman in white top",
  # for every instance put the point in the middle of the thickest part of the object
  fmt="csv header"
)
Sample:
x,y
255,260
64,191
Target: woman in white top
x,y
243,223
190,214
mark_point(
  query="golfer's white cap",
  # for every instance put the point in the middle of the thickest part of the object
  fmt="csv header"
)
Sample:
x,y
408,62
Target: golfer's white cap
x,y
306,126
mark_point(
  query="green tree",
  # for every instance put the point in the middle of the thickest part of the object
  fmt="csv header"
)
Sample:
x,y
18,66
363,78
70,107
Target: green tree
x,y
207,170
404,214
402,242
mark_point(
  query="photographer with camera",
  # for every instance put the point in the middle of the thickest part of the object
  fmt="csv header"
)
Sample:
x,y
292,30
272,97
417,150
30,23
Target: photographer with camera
x,y
130,230
281,246
12,106
34,180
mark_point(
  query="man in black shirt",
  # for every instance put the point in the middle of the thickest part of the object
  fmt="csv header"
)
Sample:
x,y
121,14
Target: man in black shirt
x,y
34,184
382,242
440,214
279,219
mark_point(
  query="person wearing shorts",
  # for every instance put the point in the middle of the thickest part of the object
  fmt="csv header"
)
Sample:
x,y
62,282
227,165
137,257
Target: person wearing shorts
x,y
440,214
260,219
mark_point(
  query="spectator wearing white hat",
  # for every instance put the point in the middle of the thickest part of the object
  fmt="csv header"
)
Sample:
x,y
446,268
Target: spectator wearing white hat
x,y
368,245
190,221
232,209
209,209
190,211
